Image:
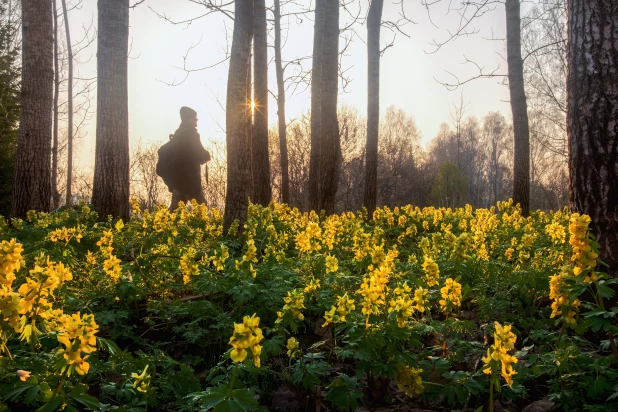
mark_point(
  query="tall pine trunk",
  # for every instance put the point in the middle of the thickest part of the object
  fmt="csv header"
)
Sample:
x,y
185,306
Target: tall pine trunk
x,y
32,177
262,192
70,105
237,138
110,193
592,119
330,147
283,142
519,108
316,106
374,20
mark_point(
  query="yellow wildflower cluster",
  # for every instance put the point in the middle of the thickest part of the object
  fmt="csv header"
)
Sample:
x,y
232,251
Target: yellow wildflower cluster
x,y
220,257
250,253
332,264
294,303
66,234
583,256
45,278
10,261
111,265
77,334
314,284
504,342
188,265
308,241
556,232
451,295
135,207
338,314
409,379
247,335
421,301
432,271
402,304
142,381
105,243
561,301
293,347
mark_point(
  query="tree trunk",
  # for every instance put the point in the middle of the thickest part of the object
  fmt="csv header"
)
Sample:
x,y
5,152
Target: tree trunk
x,y
316,106
330,145
70,105
374,21
592,119
519,108
262,192
110,193
54,171
283,143
32,178
237,139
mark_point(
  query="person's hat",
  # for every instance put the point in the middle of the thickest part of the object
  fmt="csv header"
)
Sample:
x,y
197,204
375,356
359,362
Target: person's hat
x,y
187,113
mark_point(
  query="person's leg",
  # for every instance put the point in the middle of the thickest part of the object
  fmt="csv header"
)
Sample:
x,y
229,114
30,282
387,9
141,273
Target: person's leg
x,y
175,199
178,196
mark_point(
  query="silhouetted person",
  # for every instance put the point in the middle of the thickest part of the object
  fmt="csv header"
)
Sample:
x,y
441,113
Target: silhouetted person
x,y
185,180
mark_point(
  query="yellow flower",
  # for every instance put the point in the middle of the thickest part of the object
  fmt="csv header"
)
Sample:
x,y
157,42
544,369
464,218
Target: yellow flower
x,y
451,295
432,271
504,341
142,380
112,267
409,379
292,346
247,335
332,264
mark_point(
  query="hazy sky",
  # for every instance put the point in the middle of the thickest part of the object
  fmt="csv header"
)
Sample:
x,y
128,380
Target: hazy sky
x,y
407,69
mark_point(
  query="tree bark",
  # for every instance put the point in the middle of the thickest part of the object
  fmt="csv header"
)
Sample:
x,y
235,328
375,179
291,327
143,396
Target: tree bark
x,y
54,170
330,146
519,108
592,119
237,139
261,161
316,106
110,193
283,142
374,20
70,105
32,178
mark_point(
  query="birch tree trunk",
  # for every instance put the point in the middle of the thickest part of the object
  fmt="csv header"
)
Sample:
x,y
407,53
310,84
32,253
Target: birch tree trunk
x,y
330,146
374,20
110,193
283,142
54,170
316,106
519,108
70,105
237,138
262,192
592,119
32,177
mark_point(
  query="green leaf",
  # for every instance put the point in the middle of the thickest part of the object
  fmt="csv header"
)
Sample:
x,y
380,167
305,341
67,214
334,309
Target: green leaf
x,y
88,401
14,394
31,394
604,291
108,346
52,405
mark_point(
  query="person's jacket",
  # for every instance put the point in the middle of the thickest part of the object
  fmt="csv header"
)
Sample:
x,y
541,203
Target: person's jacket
x,y
189,155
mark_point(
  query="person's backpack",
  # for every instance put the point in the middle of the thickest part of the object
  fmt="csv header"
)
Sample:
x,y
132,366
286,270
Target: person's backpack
x,y
166,160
